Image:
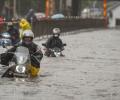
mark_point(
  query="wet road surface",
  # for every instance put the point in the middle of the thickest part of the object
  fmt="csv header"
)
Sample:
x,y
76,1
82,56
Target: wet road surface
x,y
90,70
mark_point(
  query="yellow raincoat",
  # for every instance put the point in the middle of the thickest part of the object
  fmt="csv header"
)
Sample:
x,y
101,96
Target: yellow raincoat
x,y
24,24
34,71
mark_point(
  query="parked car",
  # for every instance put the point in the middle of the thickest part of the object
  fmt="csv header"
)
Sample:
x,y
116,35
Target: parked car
x,y
91,12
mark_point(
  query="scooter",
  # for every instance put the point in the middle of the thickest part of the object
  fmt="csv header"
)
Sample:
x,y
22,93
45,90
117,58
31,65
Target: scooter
x,y
53,52
19,66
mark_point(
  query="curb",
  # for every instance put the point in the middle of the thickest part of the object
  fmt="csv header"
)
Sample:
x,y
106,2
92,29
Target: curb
x,y
70,33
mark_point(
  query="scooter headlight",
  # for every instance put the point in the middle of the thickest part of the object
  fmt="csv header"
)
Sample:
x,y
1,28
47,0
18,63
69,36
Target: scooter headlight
x,y
57,54
20,69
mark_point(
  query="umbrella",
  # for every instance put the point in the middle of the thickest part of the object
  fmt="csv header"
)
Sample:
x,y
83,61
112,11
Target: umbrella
x,y
57,16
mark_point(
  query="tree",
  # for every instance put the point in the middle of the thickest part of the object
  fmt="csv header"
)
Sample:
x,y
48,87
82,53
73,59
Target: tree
x,y
1,5
23,6
87,3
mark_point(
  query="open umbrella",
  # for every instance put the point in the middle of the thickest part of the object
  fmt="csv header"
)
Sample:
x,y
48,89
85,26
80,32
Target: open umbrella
x,y
57,16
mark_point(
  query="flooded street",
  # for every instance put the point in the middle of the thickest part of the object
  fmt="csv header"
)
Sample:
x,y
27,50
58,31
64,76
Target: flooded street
x,y
90,70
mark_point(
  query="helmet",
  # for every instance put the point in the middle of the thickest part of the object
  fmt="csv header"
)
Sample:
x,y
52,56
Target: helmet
x,y
10,24
28,36
56,32
28,33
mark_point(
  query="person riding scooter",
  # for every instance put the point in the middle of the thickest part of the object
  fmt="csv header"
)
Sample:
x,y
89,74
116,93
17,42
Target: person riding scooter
x,y
54,41
14,33
27,41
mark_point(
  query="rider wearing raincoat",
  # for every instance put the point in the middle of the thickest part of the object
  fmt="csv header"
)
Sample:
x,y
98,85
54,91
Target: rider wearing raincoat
x,y
54,41
34,49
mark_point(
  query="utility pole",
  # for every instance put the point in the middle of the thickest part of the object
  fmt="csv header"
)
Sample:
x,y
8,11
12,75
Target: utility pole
x,y
39,3
105,8
105,11
14,8
47,8
61,6
75,7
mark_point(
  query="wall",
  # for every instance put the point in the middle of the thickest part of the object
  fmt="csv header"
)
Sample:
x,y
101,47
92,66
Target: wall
x,y
116,15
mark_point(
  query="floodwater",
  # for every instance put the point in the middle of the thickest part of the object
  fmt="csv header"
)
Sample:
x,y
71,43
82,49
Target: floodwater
x,y
90,70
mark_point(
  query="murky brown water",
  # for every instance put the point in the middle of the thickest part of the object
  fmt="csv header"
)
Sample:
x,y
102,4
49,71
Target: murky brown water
x,y
89,71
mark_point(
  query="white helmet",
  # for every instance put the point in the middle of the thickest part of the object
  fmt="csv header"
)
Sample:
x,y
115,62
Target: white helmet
x,y
56,30
27,37
28,33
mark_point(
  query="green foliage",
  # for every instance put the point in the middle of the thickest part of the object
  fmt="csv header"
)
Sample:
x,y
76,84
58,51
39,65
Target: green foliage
x,y
1,5
23,6
87,3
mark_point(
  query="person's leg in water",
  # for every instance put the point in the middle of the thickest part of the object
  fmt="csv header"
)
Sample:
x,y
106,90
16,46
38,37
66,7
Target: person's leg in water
x,y
35,66
47,52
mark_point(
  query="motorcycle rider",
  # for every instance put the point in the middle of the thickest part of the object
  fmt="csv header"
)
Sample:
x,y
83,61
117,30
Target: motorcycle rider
x,y
14,32
34,49
54,41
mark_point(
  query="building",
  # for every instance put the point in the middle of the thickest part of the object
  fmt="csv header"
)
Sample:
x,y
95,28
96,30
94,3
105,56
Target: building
x,y
114,15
